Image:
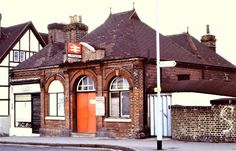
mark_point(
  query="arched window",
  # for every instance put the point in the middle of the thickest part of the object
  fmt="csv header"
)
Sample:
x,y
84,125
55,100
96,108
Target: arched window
x,y
119,98
56,99
85,84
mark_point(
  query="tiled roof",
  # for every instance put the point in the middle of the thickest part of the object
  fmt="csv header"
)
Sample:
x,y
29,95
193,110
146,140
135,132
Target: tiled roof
x,y
11,35
119,35
124,35
44,36
50,55
201,53
202,86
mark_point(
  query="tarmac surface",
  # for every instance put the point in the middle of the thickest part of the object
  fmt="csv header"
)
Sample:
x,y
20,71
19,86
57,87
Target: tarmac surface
x,y
148,144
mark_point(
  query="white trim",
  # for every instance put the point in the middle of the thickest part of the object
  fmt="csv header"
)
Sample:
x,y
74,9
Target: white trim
x,y
118,120
80,83
26,88
55,118
88,46
28,79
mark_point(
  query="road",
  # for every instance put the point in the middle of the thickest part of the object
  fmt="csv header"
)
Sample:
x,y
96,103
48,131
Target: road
x,y
46,148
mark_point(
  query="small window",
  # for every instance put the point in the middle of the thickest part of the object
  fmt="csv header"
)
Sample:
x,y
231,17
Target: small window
x,y
85,84
56,99
183,77
16,56
22,56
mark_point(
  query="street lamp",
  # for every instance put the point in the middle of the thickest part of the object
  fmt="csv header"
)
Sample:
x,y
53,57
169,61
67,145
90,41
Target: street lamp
x,y
158,104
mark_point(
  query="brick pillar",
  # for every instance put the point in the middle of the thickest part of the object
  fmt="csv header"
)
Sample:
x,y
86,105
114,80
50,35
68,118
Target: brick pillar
x,y
42,102
137,102
67,102
99,89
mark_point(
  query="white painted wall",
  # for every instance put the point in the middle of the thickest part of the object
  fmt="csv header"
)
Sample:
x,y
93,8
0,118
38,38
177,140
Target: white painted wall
x,y
4,125
21,89
193,99
4,118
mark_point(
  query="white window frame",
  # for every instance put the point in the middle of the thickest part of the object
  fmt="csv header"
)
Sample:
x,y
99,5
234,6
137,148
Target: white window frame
x,y
90,86
16,55
22,56
56,88
115,87
24,99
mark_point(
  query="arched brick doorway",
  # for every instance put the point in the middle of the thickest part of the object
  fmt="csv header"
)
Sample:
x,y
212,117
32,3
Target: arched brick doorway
x,y
86,109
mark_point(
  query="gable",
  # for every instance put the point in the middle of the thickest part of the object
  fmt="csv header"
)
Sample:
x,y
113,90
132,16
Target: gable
x,y
10,36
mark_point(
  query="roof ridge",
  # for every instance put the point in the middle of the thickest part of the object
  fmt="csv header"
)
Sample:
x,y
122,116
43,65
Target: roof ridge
x,y
125,12
175,43
192,45
21,24
194,49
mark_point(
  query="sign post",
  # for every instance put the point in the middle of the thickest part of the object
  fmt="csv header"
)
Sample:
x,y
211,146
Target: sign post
x,y
158,105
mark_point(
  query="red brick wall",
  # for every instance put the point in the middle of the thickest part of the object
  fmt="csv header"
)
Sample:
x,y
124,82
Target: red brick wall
x,y
171,73
133,72
151,78
140,77
208,124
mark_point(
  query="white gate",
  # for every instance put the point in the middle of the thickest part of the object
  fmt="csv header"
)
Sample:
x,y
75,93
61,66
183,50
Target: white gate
x,y
166,117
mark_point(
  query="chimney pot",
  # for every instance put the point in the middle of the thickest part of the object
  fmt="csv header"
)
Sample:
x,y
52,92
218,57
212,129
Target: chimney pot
x,y
207,29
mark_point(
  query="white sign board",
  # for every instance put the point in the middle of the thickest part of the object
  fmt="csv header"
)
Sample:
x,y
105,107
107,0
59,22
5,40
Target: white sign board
x,y
100,106
167,64
26,88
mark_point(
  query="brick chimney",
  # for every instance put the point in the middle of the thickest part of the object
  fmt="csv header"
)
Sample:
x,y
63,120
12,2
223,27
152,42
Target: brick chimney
x,y
75,30
208,39
56,32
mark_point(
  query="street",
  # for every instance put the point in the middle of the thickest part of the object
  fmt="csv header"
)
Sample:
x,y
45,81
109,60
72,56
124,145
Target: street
x,y
46,148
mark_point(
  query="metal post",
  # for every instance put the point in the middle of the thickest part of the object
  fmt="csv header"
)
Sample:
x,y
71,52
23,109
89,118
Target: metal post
x,y
159,101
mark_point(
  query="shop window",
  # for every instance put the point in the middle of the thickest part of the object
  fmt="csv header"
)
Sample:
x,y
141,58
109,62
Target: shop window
x,y
23,111
85,84
119,102
56,99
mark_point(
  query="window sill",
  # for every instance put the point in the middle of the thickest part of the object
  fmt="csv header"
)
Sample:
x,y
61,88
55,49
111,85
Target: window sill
x,y
54,118
117,120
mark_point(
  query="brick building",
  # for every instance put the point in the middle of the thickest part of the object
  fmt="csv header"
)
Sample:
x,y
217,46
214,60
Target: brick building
x,y
116,69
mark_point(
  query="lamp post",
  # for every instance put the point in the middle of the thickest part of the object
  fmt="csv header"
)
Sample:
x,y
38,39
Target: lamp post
x,y
158,104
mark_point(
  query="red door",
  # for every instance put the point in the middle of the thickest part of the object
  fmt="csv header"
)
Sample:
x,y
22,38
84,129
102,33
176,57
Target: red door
x,y
86,112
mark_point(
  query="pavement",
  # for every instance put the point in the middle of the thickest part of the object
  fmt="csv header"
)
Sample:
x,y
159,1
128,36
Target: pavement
x,y
148,144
